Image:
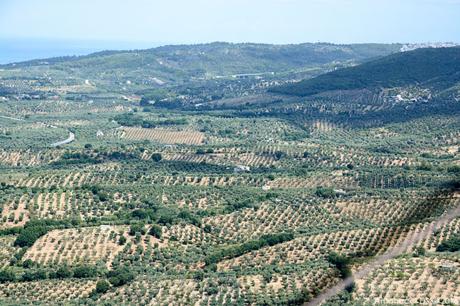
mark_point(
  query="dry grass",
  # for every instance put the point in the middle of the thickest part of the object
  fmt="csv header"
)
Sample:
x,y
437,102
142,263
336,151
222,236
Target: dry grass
x,y
406,281
77,246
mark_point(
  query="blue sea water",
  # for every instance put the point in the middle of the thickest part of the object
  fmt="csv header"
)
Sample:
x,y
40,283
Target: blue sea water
x,y
18,50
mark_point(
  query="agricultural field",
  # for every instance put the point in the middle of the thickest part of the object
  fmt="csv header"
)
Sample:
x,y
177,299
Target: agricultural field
x,y
108,199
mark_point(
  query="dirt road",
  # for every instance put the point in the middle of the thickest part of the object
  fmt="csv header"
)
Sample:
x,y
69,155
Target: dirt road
x,y
380,260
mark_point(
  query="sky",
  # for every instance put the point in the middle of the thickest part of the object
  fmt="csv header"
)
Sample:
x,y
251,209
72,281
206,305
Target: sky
x,y
144,22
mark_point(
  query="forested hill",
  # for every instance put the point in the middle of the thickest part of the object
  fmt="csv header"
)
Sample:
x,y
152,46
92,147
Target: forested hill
x,y
181,62
437,68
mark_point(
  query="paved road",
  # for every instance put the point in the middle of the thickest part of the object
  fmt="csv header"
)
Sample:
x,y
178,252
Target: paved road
x,y
56,144
378,261
11,118
65,141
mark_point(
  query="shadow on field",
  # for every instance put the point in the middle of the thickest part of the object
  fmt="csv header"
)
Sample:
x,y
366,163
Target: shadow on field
x,y
432,207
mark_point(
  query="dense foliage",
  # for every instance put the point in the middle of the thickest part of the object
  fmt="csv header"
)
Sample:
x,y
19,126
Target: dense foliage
x,y
341,263
429,67
450,245
238,250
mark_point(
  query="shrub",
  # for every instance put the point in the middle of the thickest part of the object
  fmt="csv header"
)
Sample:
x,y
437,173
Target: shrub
x,y
63,272
137,228
7,276
34,275
240,249
454,169
29,235
19,254
341,263
187,216
120,277
84,272
272,239
156,157
155,231
27,263
324,192
279,155
102,286
450,245
143,214
122,240
424,166
103,196
207,228
166,219
419,251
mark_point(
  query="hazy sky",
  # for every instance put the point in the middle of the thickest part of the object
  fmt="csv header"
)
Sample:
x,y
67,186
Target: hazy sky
x,y
270,21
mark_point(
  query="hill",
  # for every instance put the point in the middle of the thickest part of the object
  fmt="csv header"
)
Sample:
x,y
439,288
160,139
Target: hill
x,y
437,68
181,62
215,192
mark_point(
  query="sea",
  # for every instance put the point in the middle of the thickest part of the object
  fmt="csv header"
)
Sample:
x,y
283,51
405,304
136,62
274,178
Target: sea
x,y
14,50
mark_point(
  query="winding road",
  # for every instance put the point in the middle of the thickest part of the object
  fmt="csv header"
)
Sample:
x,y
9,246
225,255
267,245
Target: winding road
x,y
380,260
56,144
65,141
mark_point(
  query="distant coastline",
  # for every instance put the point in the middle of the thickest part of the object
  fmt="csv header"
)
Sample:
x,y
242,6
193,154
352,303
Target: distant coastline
x,y
18,50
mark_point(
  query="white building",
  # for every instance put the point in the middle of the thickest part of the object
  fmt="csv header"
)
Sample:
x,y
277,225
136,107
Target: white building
x,y
241,168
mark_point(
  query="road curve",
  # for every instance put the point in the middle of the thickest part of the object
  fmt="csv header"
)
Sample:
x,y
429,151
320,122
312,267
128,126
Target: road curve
x,y
11,118
65,141
380,260
56,144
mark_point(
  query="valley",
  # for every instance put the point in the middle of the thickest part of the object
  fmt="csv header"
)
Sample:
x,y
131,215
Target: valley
x,y
188,175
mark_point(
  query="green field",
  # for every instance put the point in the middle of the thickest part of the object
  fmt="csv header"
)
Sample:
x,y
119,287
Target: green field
x,y
220,188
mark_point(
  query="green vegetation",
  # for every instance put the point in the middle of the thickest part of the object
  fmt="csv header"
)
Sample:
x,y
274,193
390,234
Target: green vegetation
x,y
156,157
137,228
238,250
29,235
450,245
325,192
130,119
7,276
341,263
61,273
188,182
120,277
102,286
84,272
37,228
155,231
430,67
